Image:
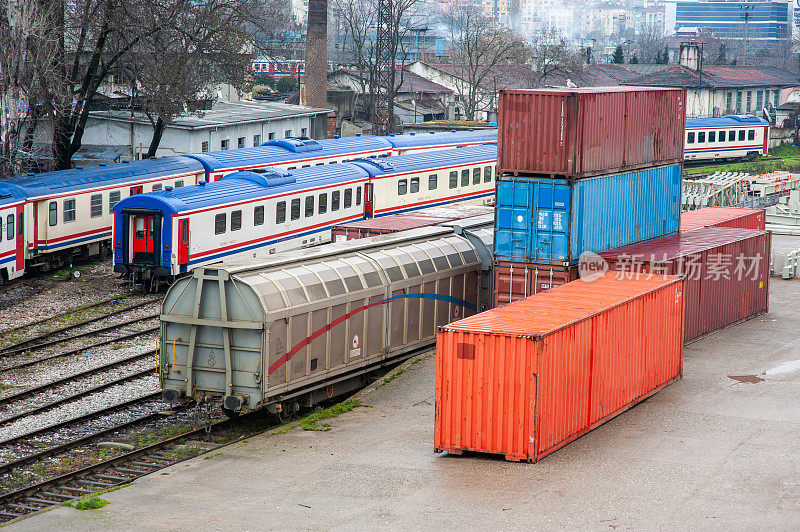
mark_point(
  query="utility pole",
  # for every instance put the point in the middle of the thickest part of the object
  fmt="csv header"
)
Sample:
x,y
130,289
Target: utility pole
x,y
746,10
383,108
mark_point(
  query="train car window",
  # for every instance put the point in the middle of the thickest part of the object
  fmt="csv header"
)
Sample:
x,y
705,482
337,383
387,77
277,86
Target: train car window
x,y
414,184
712,136
53,213
113,198
402,187
487,174
69,210
741,134
453,179
701,136
179,183
319,164
96,205
348,198
185,232
751,134
292,167
323,204
20,232
690,137
335,199
258,215
10,227
157,187
358,195
731,135
465,177
236,220
1,228
296,209
219,223
309,206
306,165
432,181
476,176
280,212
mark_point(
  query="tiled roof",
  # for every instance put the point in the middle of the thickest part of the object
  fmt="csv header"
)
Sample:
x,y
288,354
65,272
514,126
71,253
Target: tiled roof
x,y
717,77
498,77
411,82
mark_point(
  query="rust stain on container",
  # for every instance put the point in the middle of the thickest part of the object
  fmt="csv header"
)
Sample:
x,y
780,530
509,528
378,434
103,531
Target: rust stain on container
x,y
724,217
726,271
513,281
589,131
549,368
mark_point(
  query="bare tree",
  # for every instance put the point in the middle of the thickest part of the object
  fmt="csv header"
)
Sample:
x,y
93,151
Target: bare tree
x,y
649,43
552,56
478,47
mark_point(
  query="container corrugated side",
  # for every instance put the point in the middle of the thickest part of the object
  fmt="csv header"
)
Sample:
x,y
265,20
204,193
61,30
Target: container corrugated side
x,y
513,281
583,132
526,378
541,220
726,271
382,226
724,217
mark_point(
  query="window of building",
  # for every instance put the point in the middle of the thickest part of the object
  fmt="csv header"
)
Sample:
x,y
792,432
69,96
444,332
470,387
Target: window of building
x,y
53,213
712,136
777,97
10,227
751,134
414,184
728,101
738,101
280,212
432,182
759,100
287,134
256,141
258,215
309,206
465,177
402,187
304,132
204,146
271,136
296,209
348,198
113,198
219,223
323,204
240,143
335,200
358,195
741,134
236,220
731,135
749,100
453,179
690,137
223,145
701,136
487,174
156,187
179,183
69,210
96,205
476,176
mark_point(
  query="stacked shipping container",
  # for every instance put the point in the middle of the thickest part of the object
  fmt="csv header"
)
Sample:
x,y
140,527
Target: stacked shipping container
x,y
724,217
582,170
525,379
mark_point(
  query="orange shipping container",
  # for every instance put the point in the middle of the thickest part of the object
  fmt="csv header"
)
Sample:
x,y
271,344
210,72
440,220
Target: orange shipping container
x,y
526,378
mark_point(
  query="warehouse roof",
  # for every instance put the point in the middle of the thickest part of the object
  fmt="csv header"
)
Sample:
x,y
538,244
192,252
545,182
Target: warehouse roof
x,y
717,77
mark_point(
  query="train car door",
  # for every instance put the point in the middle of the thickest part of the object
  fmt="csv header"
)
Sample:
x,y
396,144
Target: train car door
x,y
183,245
142,238
136,190
20,239
368,200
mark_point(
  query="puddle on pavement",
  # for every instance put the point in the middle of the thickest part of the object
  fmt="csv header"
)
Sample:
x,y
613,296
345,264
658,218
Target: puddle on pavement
x,y
749,379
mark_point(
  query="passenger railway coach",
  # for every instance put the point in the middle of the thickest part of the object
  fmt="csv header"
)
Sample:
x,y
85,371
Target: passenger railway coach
x,y
729,137
12,239
254,214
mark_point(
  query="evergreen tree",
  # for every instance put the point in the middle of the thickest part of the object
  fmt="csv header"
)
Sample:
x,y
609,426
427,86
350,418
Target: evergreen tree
x,y
721,55
665,56
619,55
634,60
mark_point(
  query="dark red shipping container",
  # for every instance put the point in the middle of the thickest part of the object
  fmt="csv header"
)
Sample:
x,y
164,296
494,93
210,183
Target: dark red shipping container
x,y
726,271
589,131
513,281
405,221
724,217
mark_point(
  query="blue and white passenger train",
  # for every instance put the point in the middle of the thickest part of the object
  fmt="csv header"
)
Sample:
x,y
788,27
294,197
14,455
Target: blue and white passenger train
x,y
728,137
257,213
66,214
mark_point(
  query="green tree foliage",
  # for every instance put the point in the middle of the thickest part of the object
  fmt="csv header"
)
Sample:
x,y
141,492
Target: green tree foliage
x,y
619,55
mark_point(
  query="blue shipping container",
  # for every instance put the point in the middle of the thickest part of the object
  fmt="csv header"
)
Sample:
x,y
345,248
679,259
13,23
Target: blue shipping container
x,y
552,221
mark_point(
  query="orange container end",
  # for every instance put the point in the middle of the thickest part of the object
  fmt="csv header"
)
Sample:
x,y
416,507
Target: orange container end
x,y
737,217
527,378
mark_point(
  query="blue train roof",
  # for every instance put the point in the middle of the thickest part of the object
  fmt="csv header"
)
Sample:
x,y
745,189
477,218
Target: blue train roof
x,y
242,186
725,121
279,151
9,195
57,182
415,162
412,140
